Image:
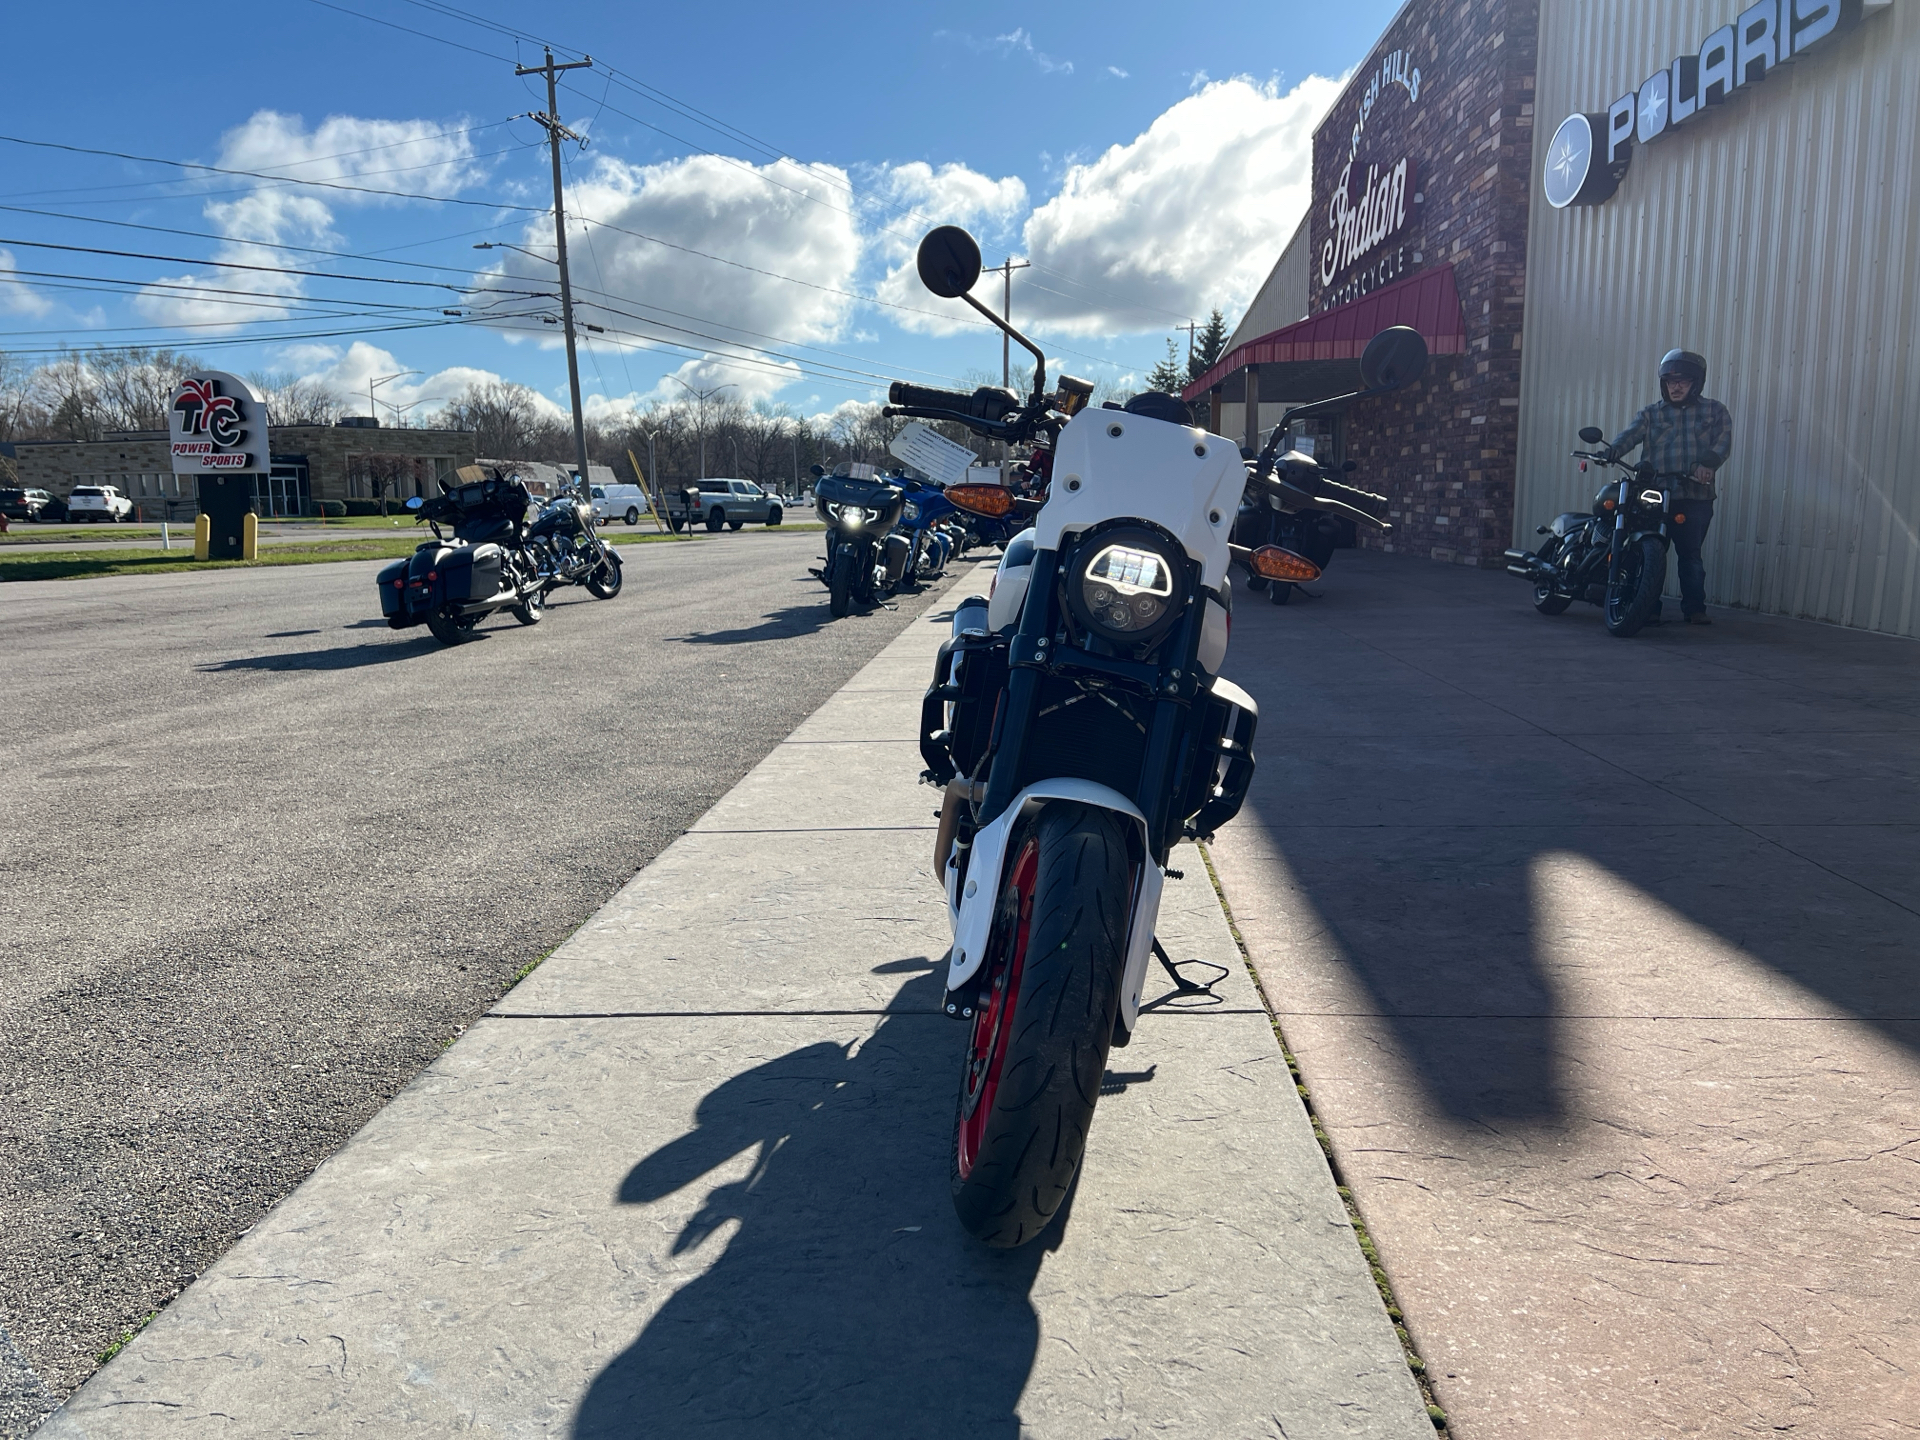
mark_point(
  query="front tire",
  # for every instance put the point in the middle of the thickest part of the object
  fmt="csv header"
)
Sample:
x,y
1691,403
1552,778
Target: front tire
x,y
1043,1021
532,609
607,578
774,516
1634,586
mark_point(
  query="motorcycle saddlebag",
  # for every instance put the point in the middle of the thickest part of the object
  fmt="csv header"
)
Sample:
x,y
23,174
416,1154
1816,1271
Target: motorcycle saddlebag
x,y
393,588
470,572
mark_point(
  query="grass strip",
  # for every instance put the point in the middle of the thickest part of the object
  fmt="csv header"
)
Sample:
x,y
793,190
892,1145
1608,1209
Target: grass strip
x,y
1368,1250
92,564
117,1346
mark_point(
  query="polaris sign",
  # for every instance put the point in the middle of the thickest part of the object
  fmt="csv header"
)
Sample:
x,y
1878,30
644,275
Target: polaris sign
x,y
1590,154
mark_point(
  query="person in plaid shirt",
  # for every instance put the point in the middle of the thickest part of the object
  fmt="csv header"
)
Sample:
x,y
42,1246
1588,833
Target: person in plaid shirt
x,y
1688,435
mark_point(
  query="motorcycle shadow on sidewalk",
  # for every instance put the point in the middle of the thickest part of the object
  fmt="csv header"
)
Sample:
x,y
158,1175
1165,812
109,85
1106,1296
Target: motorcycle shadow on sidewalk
x,y
848,1300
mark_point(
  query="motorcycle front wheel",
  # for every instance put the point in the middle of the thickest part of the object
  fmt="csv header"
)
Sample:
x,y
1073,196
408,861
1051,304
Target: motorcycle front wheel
x,y
1043,1020
840,582
530,610
1633,587
605,582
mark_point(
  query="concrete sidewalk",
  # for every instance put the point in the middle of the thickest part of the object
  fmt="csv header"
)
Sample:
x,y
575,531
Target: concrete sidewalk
x,y
1599,958
690,1178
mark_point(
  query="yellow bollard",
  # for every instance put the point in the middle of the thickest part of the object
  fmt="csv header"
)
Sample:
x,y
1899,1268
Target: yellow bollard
x,y
202,536
250,536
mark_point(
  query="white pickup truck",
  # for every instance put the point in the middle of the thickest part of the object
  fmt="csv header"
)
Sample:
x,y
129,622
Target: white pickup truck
x,y
98,502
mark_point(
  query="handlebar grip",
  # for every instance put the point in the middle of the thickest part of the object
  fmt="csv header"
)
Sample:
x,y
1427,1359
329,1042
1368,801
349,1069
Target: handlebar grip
x,y
987,403
1353,495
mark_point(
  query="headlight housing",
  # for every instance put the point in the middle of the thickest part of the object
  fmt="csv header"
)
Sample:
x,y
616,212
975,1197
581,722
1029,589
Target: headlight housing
x,y
1127,586
910,512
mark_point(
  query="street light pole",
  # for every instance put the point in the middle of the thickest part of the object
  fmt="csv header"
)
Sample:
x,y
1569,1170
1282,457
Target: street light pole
x,y
555,133
703,396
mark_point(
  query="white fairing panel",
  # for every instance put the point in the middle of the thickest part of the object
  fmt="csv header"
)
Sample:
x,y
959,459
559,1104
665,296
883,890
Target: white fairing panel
x,y
1009,593
1109,463
973,921
1214,632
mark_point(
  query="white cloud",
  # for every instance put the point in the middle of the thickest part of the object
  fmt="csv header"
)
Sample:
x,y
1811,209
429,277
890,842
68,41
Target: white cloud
x,y
417,156
16,296
1116,72
1014,42
346,373
1190,214
951,195
639,242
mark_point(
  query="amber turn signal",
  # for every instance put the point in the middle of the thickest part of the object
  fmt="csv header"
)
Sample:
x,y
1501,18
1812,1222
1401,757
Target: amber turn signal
x,y
1679,519
989,500
1608,504
1270,562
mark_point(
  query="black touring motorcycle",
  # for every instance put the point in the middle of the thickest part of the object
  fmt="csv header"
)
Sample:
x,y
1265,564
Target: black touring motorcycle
x,y
1293,503
865,558
1080,728
1614,556
494,560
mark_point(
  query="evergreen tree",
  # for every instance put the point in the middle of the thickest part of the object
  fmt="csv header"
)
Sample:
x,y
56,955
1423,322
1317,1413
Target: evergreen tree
x,y
1208,346
1167,375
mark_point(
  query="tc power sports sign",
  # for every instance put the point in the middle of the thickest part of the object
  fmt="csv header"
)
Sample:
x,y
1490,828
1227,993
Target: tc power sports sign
x,y
1591,153
216,423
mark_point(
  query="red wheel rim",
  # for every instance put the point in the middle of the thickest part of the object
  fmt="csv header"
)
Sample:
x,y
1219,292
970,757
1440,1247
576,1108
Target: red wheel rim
x,y
993,1012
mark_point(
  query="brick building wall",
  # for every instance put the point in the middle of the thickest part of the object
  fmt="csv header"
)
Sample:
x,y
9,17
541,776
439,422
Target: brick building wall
x,y
1443,452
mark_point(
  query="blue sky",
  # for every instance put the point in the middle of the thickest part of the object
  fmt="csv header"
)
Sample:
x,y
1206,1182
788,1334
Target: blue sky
x,y
1151,161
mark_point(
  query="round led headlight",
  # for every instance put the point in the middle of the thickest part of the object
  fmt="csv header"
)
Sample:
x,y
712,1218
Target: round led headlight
x,y
1127,586
910,512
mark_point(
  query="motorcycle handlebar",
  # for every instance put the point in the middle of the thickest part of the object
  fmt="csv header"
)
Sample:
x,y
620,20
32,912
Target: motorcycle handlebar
x,y
986,403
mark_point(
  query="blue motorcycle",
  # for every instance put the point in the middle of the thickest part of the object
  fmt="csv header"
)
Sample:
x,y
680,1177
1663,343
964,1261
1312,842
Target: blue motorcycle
x,y
932,525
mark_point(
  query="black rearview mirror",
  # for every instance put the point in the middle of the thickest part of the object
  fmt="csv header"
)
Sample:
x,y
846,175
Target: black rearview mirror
x,y
949,262
1393,359
1592,435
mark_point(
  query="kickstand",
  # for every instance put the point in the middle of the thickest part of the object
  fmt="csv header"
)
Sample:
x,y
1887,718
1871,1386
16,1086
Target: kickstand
x,y
1183,985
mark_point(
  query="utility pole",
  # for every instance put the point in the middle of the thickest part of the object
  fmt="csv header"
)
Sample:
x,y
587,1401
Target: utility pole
x,y
556,132
1006,269
1192,325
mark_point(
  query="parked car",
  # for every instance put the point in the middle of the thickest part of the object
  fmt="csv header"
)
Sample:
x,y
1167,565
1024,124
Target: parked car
x,y
98,502
721,503
28,504
619,502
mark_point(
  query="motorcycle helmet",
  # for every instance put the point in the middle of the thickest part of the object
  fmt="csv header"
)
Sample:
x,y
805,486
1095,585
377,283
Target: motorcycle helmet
x,y
1688,366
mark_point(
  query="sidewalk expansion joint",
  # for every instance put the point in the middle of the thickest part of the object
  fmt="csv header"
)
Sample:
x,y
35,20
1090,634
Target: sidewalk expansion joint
x,y
818,830
1362,1237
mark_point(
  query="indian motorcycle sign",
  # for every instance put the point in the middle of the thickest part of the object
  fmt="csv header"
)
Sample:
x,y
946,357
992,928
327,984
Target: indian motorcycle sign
x,y
1590,153
216,423
1370,204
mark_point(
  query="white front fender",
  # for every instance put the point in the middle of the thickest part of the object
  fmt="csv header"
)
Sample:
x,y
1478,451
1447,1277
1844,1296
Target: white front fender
x,y
972,911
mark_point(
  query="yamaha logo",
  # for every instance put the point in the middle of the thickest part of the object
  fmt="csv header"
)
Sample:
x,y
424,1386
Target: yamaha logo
x,y
1590,153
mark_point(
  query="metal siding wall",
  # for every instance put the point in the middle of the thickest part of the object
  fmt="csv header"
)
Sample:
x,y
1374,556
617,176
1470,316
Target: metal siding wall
x,y
1779,236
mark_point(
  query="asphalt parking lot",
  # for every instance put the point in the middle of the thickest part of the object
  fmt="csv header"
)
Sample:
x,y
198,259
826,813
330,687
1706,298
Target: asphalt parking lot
x,y
261,858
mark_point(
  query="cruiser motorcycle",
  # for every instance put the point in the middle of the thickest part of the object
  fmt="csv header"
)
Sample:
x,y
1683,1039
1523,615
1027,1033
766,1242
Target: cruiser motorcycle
x,y
865,560
566,548
1079,727
1614,556
1293,502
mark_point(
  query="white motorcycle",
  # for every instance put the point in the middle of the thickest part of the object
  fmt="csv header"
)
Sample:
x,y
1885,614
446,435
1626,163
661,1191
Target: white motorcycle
x,y
1080,727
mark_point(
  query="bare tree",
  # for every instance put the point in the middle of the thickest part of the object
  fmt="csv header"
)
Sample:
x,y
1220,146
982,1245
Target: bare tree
x,y
292,400
505,422
391,475
134,388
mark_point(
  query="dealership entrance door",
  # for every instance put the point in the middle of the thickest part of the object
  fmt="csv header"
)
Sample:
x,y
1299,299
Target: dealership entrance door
x,y
285,489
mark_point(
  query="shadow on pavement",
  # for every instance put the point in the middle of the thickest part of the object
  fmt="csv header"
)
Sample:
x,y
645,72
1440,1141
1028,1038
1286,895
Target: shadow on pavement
x,y
1419,760
848,1301
782,624
338,657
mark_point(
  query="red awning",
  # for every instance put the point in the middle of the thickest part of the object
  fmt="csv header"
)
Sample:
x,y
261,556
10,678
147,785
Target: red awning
x,y
1428,301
